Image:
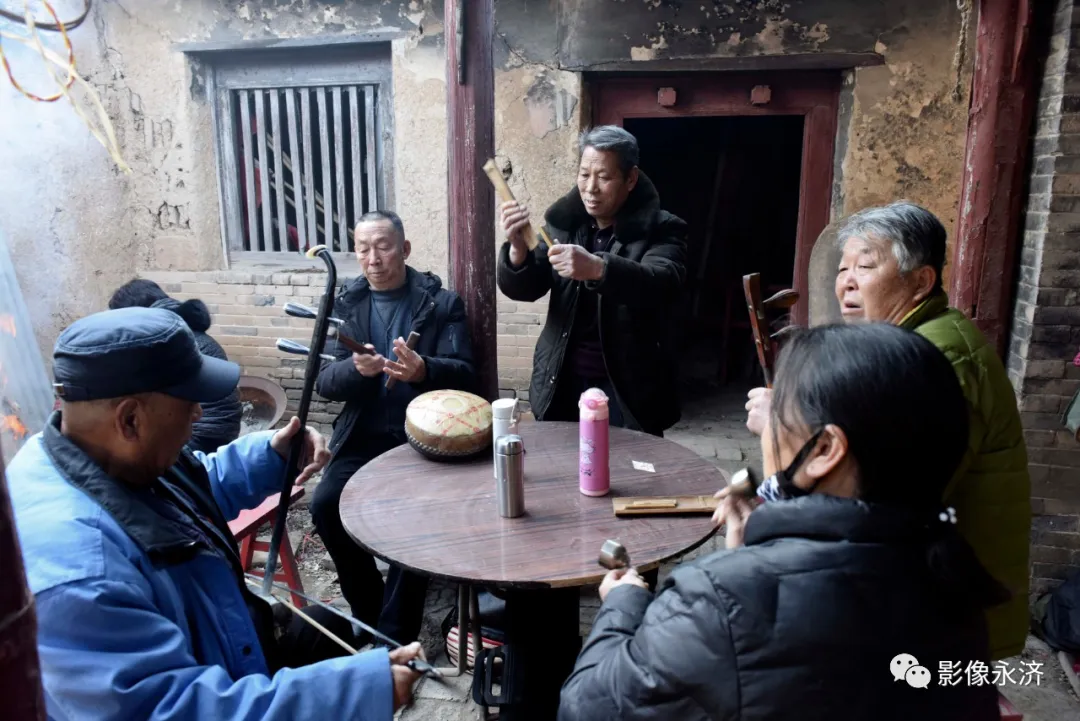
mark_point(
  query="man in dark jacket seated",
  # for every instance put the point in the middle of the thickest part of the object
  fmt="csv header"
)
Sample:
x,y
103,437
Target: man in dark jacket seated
x,y
383,307
614,277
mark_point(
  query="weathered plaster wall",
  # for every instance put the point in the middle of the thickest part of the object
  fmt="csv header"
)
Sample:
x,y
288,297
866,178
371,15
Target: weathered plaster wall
x,y
901,126
420,146
901,129
537,120
909,118
62,198
78,228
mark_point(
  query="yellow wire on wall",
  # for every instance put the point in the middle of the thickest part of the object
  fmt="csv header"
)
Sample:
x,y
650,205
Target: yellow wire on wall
x,y
65,77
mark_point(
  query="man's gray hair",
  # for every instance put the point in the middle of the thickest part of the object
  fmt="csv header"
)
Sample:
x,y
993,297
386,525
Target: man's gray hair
x,y
385,216
613,139
916,235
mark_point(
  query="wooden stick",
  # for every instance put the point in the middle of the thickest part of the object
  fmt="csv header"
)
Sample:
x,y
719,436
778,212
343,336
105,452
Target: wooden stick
x,y
354,345
662,505
538,235
318,626
414,338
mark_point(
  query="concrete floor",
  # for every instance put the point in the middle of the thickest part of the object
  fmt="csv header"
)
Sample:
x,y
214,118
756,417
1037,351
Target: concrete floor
x,y
713,426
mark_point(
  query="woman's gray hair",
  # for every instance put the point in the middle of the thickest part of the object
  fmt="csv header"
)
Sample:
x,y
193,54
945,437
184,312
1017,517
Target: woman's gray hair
x,y
614,139
916,235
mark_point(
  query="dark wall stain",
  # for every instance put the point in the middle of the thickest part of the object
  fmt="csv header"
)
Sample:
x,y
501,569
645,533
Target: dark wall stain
x,y
526,30
579,34
287,18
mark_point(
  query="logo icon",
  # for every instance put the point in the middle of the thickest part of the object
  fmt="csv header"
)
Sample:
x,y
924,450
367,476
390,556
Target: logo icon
x,y
918,677
900,665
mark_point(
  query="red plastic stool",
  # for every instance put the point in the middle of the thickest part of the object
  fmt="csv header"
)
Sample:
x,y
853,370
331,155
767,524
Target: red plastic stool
x,y
1008,711
247,524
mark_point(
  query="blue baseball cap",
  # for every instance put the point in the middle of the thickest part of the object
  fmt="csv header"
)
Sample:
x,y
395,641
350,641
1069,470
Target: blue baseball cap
x,y
127,351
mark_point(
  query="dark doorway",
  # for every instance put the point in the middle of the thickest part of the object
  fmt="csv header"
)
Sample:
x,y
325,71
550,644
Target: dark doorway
x,y
777,134
735,181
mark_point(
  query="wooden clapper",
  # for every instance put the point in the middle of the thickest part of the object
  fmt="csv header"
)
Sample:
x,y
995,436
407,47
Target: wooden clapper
x,y
664,505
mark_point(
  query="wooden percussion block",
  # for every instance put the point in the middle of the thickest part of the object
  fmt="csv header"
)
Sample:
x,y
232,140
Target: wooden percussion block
x,y
663,505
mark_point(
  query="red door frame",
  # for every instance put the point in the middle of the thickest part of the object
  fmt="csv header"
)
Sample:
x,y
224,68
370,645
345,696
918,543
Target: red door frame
x,y
814,95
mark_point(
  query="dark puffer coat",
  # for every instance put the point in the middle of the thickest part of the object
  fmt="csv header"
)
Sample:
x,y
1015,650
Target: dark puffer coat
x,y
445,346
643,278
800,623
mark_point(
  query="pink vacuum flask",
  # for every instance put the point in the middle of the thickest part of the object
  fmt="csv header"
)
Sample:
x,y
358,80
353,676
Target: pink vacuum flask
x,y
594,476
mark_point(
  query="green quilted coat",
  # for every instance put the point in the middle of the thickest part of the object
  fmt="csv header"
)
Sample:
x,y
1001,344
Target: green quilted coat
x,y
991,491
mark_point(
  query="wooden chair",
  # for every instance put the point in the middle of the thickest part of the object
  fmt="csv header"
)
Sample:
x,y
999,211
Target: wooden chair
x,y
246,526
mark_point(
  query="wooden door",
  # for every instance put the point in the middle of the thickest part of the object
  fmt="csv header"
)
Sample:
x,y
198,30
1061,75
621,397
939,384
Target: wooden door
x,y
813,95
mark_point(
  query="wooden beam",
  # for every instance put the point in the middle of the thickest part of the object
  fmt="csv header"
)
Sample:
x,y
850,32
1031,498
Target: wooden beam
x,y
20,669
739,63
251,242
266,238
471,141
356,166
339,173
298,198
279,177
370,149
308,181
1003,99
324,168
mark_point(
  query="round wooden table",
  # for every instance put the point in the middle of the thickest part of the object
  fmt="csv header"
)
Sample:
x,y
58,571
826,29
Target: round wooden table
x,y
441,519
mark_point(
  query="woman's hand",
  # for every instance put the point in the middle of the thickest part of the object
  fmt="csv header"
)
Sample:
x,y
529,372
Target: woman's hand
x,y
621,577
759,400
732,513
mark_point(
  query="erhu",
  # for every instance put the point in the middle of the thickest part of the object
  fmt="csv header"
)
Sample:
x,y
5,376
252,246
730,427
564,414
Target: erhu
x,y
764,342
326,325
314,353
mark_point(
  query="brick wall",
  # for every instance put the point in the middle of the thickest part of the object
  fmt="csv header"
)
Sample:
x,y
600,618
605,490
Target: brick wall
x,y
518,327
248,320
1046,325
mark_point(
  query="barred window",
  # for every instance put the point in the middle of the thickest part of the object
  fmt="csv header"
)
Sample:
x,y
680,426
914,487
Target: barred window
x,y
301,146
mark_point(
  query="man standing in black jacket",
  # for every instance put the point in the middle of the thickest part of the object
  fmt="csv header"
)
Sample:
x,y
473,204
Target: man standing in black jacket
x,y
384,306
614,279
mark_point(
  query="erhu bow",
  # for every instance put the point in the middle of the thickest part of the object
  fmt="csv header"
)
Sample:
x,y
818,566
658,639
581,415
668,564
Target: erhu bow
x,y
294,465
326,325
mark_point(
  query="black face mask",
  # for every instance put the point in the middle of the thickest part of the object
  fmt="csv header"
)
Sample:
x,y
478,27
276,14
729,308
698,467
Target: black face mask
x,y
781,486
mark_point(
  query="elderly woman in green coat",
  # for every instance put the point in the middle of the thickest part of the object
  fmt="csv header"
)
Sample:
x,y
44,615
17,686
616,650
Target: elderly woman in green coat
x,y
890,271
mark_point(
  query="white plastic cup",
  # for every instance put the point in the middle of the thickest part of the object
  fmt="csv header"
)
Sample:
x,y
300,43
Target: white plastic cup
x,y
504,420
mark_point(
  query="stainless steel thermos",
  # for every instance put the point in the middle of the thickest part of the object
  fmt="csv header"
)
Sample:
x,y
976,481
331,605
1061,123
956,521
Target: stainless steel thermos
x,y
510,475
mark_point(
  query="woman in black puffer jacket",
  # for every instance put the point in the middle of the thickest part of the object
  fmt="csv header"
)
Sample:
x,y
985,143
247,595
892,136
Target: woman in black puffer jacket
x,y
843,595
220,422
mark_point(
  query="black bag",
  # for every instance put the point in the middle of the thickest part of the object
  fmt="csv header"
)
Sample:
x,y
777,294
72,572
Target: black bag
x,y
1061,625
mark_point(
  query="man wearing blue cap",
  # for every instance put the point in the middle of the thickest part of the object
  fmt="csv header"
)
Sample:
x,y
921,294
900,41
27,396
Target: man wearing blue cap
x,y
142,607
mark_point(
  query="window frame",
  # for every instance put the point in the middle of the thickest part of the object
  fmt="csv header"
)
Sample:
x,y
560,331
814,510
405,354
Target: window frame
x,y
226,71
